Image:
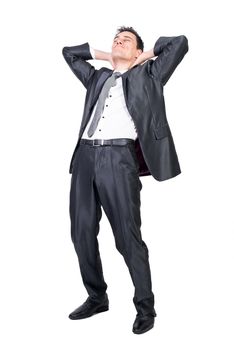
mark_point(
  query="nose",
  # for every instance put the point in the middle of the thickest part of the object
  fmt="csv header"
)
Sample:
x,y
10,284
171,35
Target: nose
x,y
119,42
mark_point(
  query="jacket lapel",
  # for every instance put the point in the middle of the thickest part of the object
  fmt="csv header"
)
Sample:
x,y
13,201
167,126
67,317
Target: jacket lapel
x,y
101,80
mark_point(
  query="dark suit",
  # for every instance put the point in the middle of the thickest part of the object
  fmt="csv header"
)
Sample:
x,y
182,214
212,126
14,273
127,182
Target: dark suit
x,y
143,91
108,176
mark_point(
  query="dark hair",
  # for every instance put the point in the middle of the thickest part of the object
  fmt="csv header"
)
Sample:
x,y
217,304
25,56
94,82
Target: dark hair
x,y
140,44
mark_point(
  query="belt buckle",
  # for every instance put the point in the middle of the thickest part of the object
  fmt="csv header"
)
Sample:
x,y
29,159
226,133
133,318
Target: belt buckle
x,y
102,141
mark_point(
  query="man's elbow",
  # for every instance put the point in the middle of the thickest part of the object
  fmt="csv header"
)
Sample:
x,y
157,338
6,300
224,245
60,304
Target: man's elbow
x,y
65,51
184,42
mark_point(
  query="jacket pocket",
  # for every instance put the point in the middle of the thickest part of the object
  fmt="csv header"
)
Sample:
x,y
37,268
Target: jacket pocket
x,y
161,132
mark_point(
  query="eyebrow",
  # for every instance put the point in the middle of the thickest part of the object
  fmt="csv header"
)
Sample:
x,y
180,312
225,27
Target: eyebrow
x,y
125,36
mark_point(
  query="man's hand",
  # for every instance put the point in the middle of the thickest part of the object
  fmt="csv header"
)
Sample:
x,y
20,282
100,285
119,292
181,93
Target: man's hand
x,y
144,56
105,56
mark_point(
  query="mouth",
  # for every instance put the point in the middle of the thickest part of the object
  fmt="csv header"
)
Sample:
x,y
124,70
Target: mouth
x,y
118,47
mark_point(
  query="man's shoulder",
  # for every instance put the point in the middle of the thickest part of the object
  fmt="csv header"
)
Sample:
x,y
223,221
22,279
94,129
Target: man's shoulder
x,y
102,72
142,71
99,76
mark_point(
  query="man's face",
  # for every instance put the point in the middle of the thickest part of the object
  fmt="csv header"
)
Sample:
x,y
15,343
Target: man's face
x,y
125,46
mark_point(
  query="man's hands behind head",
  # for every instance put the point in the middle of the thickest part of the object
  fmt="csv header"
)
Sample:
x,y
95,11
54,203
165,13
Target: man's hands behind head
x,y
143,57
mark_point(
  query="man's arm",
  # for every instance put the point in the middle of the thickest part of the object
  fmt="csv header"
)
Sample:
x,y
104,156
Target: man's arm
x,y
169,51
102,55
144,56
76,57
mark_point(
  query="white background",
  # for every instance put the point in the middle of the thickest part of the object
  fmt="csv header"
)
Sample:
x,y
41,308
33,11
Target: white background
x,y
186,221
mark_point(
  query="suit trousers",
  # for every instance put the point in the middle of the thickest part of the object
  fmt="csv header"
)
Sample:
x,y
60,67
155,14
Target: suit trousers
x,y
106,176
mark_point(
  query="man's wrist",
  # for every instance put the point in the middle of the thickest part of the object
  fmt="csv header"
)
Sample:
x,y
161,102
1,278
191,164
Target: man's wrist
x,y
149,54
101,55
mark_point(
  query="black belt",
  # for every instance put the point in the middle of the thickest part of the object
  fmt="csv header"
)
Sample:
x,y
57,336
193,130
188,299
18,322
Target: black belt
x,y
102,142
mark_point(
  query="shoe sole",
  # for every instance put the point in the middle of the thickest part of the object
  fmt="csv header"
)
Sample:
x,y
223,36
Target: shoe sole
x,y
145,330
101,309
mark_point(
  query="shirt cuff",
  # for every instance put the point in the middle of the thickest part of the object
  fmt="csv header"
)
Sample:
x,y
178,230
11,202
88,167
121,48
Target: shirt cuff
x,y
92,52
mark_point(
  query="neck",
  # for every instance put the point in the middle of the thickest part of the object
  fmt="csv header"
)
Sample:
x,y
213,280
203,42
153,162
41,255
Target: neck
x,y
123,65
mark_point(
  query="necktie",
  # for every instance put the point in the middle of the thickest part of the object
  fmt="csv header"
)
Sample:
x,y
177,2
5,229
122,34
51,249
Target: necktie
x,y
111,81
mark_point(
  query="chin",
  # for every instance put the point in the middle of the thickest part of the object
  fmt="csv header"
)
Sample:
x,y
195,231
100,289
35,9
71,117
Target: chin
x,y
117,57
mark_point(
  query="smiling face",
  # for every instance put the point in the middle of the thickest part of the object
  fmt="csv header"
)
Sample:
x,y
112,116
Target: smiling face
x,y
124,47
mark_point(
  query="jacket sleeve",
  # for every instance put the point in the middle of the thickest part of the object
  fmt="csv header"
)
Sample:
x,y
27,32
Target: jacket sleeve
x,y
76,57
170,52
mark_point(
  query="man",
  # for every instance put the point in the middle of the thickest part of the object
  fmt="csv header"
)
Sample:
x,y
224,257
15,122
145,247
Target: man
x,y
124,134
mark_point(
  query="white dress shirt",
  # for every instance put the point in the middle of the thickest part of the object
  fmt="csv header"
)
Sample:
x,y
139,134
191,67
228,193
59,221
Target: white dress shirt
x,y
115,121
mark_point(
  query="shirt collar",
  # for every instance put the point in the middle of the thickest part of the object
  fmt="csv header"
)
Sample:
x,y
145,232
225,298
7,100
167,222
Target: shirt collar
x,y
120,71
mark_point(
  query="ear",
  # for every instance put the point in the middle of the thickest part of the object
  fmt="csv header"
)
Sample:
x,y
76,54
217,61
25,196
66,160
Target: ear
x,y
138,53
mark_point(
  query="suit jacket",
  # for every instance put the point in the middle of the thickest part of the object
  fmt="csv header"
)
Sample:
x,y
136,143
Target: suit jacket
x,y
143,92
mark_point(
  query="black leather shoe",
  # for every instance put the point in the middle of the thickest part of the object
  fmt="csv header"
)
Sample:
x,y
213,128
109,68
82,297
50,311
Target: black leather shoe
x,y
89,308
143,324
